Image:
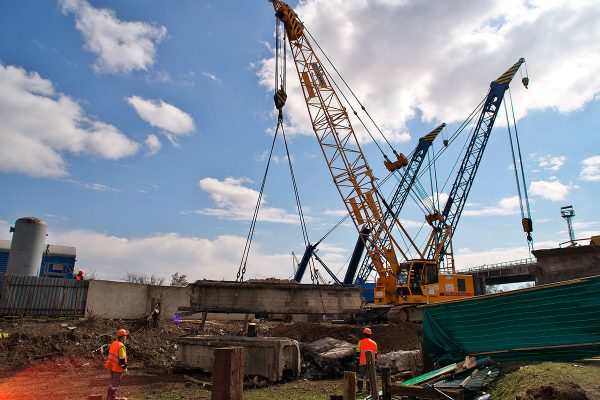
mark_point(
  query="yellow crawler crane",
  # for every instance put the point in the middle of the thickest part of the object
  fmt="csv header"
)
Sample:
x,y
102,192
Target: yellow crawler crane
x,y
403,284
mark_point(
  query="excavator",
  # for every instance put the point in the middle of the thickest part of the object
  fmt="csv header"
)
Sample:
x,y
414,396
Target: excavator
x,y
403,282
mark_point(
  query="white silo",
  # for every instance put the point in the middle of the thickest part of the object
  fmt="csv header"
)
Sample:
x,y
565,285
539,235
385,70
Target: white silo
x,y
27,246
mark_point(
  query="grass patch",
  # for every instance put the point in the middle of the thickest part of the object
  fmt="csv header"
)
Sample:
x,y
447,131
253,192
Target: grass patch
x,y
296,390
519,378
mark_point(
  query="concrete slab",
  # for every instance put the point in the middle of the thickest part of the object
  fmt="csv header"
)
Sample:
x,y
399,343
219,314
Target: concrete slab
x,y
561,264
272,298
271,358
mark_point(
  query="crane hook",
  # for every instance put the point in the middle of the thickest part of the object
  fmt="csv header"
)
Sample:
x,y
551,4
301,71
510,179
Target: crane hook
x,y
280,97
525,81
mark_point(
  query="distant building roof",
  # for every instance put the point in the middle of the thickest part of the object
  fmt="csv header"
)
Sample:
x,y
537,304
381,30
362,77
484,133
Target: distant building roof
x,y
4,245
55,250
51,249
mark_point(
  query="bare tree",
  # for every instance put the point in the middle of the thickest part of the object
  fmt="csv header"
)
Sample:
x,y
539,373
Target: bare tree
x,y
137,277
179,280
90,275
491,289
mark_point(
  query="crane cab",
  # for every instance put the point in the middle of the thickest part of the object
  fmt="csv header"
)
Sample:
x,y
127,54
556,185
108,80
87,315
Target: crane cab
x,y
419,282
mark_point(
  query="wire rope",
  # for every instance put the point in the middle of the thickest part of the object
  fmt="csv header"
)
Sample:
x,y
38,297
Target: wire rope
x,y
242,269
351,91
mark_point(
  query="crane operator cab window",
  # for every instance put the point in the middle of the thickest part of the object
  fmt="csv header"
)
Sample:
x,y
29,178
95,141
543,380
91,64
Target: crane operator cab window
x,y
402,274
430,274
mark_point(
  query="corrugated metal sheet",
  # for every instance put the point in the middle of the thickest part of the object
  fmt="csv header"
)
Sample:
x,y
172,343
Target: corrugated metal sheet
x,y
559,321
35,296
3,261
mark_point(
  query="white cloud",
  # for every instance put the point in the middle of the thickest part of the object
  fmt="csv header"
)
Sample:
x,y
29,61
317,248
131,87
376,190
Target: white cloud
x,y
550,190
212,77
121,46
237,202
99,187
158,113
590,169
506,206
40,125
435,200
586,229
335,213
467,258
164,254
439,58
153,144
550,162
159,76
274,157
586,224
586,234
407,223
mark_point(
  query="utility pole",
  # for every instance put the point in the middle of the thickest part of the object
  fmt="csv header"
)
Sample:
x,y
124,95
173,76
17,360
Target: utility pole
x,y
567,212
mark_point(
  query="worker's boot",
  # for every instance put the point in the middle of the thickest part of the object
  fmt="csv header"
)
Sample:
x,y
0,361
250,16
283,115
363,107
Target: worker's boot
x,y
359,385
112,394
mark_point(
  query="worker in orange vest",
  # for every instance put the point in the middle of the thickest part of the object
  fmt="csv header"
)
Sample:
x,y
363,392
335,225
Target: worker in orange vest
x,y
116,363
366,344
79,276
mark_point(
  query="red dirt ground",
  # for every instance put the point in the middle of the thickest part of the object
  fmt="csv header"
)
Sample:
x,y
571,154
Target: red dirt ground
x,y
40,359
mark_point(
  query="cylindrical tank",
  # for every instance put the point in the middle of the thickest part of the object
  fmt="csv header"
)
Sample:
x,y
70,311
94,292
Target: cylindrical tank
x,y
27,247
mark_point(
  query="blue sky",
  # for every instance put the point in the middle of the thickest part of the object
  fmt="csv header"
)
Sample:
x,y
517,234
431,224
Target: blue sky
x,y
138,130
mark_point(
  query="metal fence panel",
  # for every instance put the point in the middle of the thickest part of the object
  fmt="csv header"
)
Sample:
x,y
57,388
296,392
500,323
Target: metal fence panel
x,y
36,296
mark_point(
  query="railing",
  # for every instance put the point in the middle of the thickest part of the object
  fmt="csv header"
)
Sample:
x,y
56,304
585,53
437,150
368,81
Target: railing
x,y
574,243
35,296
485,267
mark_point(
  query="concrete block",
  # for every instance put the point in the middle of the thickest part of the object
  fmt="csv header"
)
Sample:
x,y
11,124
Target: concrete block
x,y
267,357
272,298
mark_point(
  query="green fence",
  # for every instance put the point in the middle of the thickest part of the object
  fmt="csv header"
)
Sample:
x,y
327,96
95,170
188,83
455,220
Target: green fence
x,y
559,321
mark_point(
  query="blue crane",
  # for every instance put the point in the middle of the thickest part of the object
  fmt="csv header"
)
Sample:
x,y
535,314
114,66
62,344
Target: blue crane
x,y
470,163
396,203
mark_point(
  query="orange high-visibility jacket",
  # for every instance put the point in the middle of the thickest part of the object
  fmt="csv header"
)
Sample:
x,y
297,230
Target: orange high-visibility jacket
x,y
366,345
117,351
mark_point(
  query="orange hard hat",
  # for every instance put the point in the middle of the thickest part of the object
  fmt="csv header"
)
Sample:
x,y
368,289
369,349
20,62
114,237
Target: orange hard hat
x,y
122,332
367,331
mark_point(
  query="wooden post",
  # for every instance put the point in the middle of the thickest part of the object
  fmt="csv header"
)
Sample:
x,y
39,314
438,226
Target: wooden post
x,y
349,385
228,374
372,374
204,315
251,330
386,382
246,321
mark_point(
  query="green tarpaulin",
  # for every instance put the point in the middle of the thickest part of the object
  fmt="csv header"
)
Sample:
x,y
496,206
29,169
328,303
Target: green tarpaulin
x,y
560,321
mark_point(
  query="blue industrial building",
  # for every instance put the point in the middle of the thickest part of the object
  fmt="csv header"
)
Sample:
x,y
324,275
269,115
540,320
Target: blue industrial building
x,y
57,261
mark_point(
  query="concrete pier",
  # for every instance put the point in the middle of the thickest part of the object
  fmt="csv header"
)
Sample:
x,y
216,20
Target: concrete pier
x,y
561,264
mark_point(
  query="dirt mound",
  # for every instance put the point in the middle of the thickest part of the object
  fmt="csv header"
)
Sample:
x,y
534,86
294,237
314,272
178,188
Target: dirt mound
x,y
389,337
557,391
37,340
